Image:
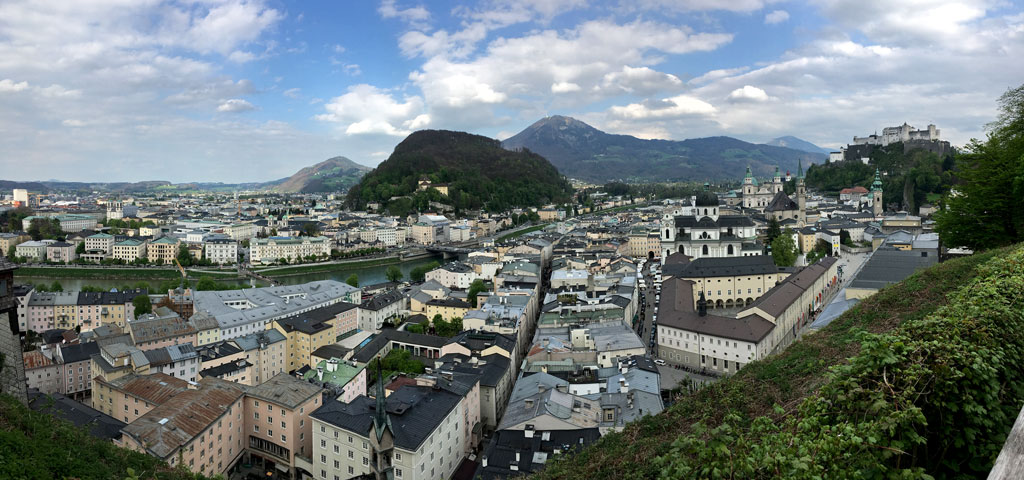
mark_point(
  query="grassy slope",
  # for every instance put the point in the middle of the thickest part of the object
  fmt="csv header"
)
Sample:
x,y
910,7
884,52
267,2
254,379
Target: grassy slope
x,y
37,445
785,379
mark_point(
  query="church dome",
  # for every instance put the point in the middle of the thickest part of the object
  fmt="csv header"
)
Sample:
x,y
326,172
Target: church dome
x,y
707,199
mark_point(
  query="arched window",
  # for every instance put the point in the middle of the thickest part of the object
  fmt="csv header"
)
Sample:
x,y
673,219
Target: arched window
x,y
667,233
730,250
705,211
704,250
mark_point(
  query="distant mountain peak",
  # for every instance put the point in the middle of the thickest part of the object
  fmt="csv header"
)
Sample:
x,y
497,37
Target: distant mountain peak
x,y
795,143
334,174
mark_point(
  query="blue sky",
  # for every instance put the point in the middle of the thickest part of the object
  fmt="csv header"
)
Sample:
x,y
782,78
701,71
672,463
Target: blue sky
x,y
232,90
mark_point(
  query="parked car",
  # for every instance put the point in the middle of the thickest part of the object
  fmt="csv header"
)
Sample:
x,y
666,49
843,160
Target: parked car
x,y
659,361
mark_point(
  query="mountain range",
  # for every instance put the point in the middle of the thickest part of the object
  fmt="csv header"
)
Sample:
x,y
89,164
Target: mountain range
x,y
583,152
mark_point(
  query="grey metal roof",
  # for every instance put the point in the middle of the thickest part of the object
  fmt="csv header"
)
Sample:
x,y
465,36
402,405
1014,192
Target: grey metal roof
x,y
100,425
889,265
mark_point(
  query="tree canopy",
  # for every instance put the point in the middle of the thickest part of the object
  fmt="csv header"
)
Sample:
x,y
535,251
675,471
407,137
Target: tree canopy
x,y
142,304
784,250
986,207
393,274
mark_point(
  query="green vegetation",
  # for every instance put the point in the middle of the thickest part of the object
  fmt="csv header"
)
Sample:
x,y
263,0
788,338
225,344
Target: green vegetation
x,y
480,175
40,228
37,445
353,280
988,209
649,190
821,250
474,289
393,274
142,304
10,220
419,273
784,251
911,175
920,379
396,361
446,328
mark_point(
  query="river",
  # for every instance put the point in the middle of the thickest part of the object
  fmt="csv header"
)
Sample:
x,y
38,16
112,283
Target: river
x,y
367,276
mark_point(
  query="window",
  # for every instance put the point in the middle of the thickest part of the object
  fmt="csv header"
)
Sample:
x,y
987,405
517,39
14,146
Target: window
x,y
283,425
323,444
284,438
366,461
256,428
398,456
323,459
351,454
398,472
257,403
256,415
337,464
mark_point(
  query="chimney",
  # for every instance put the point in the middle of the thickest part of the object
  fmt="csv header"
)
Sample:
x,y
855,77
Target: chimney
x,y
623,386
320,374
483,461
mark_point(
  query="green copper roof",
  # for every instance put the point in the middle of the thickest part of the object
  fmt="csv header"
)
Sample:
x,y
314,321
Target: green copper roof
x,y
876,186
800,169
748,175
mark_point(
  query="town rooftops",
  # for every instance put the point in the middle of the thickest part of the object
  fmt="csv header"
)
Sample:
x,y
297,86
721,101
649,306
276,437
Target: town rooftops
x,y
156,388
302,325
729,266
382,300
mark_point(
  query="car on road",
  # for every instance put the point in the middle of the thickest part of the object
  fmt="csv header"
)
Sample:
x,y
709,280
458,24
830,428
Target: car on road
x,y
659,361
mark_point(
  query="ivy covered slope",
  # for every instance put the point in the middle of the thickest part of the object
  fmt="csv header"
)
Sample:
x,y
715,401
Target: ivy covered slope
x,y
922,379
479,174
37,445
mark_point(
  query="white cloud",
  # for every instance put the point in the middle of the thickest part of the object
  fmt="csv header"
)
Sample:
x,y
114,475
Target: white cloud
x,y
365,109
415,15
235,105
564,87
239,56
691,5
674,107
7,85
338,49
776,16
749,93
292,92
640,80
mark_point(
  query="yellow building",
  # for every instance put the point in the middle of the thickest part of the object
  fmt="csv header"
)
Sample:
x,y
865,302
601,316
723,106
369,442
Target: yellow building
x,y
729,282
447,308
163,249
207,329
304,337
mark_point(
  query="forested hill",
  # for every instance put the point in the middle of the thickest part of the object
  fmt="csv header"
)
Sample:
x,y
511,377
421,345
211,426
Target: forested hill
x,y
910,177
478,172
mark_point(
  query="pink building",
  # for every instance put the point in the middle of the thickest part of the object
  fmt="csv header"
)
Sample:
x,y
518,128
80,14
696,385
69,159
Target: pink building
x,y
277,423
39,312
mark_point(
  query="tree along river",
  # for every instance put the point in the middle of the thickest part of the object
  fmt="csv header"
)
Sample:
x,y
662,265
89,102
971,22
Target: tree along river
x,y
367,276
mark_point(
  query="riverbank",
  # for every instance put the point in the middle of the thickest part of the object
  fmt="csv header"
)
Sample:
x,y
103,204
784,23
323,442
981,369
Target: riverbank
x,y
285,271
105,273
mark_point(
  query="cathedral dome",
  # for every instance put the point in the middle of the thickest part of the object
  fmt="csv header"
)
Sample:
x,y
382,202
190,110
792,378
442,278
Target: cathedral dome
x,y
707,199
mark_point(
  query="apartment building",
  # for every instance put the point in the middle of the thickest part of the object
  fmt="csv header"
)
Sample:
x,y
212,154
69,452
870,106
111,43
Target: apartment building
x,y
163,250
61,252
200,428
220,250
277,423
274,249
100,242
129,250
32,250
304,336
360,438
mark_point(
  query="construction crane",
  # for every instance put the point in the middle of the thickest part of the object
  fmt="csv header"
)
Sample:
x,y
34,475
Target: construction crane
x,y
184,284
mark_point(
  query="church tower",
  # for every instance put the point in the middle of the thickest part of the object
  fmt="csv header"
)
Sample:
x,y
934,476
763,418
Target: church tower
x,y
801,196
776,181
382,441
876,196
748,189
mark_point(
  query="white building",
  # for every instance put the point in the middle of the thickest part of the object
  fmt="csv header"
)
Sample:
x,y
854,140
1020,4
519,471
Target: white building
x,y
345,444
129,250
220,250
273,249
453,275
32,249
99,242
902,133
